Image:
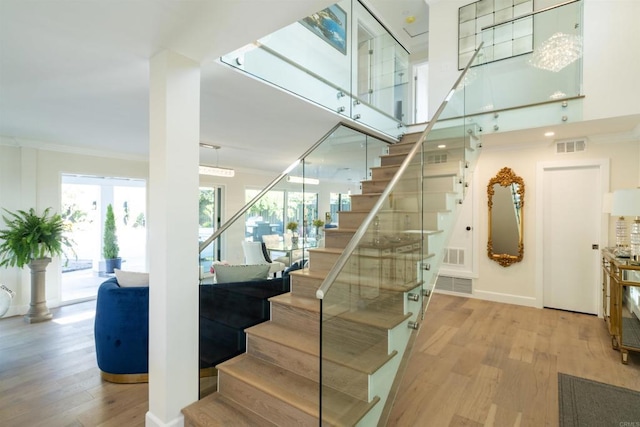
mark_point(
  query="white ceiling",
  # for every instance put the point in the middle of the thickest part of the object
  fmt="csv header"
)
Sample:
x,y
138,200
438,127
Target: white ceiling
x,y
75,73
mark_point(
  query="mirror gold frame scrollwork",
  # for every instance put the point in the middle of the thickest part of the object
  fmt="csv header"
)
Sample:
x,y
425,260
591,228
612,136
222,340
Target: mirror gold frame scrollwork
x,y
505,193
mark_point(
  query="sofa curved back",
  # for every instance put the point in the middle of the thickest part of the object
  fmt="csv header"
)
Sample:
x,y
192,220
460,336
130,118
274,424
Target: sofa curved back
x,y
122,328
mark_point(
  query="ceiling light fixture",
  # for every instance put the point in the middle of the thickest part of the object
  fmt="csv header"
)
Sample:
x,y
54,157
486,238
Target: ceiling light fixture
x,y
215,170
550,133
442,146
557,52
303,180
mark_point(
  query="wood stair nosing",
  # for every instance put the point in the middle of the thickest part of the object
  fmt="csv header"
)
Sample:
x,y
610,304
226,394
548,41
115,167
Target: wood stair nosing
x,y
277,384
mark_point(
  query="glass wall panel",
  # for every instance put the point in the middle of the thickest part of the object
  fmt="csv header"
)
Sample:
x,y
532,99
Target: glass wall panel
x,y
341,58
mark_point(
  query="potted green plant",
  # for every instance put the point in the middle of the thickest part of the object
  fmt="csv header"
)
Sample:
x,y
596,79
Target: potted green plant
x,y
110,248
31,239
317,223
292,226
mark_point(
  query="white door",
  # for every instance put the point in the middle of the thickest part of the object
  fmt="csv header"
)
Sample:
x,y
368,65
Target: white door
x,y
571,231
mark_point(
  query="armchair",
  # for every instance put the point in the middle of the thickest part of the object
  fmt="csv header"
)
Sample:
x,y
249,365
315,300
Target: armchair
x,y
256,253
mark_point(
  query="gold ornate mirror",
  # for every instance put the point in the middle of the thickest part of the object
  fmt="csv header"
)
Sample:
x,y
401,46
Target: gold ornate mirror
x,y
506,201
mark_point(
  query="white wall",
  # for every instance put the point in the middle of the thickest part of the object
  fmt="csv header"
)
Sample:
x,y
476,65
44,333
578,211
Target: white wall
x,y
31,177
611,59
517,283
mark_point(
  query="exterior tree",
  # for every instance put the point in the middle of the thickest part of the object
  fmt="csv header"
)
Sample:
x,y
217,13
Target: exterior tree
x,y
110,248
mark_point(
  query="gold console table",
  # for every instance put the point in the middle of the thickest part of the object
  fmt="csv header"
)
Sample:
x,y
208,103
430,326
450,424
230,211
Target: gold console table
x,y
621,302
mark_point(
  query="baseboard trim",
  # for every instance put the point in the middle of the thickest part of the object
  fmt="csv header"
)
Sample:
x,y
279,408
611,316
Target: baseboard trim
x,y
506,298
494,297
153,421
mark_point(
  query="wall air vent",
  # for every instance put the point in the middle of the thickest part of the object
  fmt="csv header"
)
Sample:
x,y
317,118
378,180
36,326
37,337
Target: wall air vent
x,y
436,158
454,256
571,146
454,284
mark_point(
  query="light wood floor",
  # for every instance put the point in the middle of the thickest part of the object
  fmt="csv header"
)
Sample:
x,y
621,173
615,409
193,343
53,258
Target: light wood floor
x,y
474,363
478,363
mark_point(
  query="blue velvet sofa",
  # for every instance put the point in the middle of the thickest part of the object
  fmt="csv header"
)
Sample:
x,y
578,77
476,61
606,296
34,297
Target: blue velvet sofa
x,y
122,324
121,332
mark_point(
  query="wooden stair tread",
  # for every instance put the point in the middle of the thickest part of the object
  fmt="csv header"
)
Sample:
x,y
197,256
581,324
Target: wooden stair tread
x,y
310,304
300,340
340,230
377,319
216,410
305,272
302,393
367,361
326,250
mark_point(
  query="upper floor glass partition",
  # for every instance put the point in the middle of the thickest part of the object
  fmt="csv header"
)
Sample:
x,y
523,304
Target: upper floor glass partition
x,y
342,58
534,61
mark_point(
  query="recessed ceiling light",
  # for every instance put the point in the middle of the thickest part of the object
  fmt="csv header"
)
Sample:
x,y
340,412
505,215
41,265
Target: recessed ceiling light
x,y
442,146
550,133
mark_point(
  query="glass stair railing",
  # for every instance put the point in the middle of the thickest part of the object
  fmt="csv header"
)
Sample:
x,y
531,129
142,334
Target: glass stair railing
x,y
338,323
378,282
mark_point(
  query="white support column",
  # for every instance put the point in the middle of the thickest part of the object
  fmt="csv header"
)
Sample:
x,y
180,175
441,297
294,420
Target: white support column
x,y
174,104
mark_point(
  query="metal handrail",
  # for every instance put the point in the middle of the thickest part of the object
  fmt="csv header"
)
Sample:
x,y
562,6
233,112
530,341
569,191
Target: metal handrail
x,y
359,234
272,184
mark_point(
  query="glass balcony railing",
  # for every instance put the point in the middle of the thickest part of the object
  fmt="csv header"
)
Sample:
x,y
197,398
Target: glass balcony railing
x,y
538,88
341,58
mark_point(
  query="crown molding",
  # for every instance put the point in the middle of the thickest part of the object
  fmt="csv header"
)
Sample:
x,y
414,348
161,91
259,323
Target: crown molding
x,y
12,141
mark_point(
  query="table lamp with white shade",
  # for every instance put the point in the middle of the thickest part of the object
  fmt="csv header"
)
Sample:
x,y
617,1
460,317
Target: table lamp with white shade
x,y
627,203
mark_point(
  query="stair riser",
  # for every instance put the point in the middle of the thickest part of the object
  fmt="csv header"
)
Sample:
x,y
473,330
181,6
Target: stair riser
x,y
336,376
383,173
322,262
366,202
295,318
402,148
443,201
389,221
294,360
434,220
268,406
347,334
338,240
304,286
373,186
393,160
442,183
399,268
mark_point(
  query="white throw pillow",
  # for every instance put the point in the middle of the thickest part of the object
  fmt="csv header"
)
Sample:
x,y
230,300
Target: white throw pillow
x,y
241,273
130,279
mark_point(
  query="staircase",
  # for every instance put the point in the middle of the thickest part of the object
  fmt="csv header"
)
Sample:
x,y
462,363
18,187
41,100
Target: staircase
x,y
368,317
